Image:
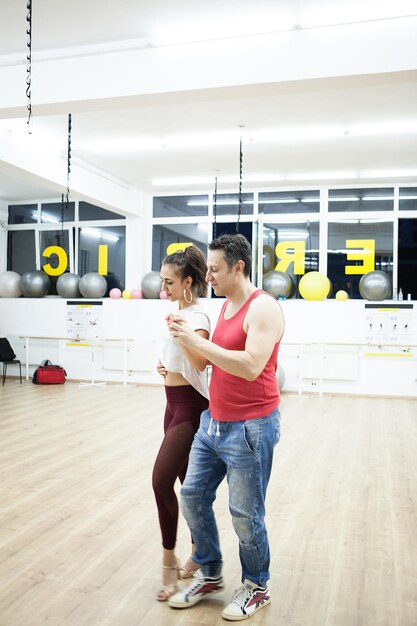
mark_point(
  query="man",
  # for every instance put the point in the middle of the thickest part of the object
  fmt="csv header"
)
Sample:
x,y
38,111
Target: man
x,y
238,432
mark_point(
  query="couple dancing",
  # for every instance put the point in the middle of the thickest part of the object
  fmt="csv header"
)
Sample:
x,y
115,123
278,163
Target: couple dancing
x,y
232,434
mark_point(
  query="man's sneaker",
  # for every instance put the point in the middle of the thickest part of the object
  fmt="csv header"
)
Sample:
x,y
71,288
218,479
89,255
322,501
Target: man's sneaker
x,y
196,591
246,601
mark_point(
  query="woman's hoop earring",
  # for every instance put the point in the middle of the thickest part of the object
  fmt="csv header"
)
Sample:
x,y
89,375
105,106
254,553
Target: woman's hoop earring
x,y
185,295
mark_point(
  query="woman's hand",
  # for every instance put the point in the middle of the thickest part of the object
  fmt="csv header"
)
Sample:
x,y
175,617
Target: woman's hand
x,y
161,369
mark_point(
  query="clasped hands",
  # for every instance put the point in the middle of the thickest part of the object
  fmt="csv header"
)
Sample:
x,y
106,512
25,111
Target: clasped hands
x,y
179,329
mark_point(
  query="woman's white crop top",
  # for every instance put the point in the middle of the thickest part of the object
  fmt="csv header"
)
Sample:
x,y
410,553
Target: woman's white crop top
x,y
173,358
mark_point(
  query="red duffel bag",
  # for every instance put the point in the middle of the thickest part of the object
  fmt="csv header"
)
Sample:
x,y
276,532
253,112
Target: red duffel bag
x,y
48,374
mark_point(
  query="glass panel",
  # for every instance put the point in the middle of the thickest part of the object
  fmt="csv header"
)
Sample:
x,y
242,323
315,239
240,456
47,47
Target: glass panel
x,y
408,199
54,212
90,239
163,236
407,257
228,204
342,200
23,214
380,235
289,202
301,255
88,212
58,238
180,206
21,251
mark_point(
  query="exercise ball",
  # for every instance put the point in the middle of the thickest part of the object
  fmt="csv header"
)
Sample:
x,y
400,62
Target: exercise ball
x,y
151,285
115,293
113,282
163,295
136,294
314,286
375,285
93,285
34,284
126,294
280,377
341,295
279,284
67,286
10,285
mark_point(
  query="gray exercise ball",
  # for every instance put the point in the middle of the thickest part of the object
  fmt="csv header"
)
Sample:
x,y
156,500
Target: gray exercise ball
x,y
10,285
151,285
67,286
280,377
279,284
375,285
34,284
92,285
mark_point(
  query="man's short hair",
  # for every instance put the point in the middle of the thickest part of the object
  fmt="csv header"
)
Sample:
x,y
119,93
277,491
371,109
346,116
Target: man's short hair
x,y
235,248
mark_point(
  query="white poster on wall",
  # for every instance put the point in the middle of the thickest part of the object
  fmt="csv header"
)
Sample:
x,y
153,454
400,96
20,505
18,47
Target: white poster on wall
x,y
84,320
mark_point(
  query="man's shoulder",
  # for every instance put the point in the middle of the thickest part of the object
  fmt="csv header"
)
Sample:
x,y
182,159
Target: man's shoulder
x,y
264,300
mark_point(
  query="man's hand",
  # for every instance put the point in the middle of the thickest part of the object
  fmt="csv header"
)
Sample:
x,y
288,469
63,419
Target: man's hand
x,y
182,332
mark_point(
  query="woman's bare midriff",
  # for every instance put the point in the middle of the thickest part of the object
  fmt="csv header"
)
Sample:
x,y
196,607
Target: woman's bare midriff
x,y
174,379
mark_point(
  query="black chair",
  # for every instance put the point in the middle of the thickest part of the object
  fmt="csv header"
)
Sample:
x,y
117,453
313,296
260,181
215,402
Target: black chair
x,y
8,357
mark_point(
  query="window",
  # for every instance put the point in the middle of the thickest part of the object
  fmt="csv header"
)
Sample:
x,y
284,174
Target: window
x,y
180,206
164,236
289,202
342,200
56,212
407,257
88,250
89,212
377,254
21,255
291,247
408,199
23,214
228,204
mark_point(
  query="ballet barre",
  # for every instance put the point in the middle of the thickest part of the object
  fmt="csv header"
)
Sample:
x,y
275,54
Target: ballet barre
x,y
81,342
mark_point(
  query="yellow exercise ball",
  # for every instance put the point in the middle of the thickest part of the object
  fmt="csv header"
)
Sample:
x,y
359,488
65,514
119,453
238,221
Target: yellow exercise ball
x,y
314,286
341,295
127,294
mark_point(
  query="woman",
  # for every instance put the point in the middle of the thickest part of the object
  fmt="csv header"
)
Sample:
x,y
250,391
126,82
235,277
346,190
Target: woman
x,y
183,280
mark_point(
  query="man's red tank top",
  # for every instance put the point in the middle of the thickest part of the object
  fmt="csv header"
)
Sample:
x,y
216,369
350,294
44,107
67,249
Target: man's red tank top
x,y
232,398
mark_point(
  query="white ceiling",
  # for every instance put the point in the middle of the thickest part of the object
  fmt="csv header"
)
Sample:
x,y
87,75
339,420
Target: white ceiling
x,y
290,107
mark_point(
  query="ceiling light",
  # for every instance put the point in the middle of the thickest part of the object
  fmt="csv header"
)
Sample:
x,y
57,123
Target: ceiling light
x,y
287,235
388,128
321,176
98,234
46,218
278,201
345,199
379,198
388,174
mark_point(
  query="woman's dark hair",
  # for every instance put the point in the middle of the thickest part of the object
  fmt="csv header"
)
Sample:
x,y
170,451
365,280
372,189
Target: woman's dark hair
x,y
190,262
235,248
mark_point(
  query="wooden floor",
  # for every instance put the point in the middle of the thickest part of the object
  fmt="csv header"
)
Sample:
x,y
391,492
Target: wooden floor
x,y
79,536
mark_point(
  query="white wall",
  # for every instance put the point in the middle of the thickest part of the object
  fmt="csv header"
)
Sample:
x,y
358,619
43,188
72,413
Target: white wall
x,y
309,365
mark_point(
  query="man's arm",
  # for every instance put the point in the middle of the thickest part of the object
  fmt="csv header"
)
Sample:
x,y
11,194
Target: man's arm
x,y
264,325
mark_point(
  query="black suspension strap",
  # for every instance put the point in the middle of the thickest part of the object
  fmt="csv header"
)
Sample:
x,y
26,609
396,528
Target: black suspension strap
x,y
29,64
215,209
65,198
240,181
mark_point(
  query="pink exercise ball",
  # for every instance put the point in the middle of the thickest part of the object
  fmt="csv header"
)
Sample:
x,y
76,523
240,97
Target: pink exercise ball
x,y
136,294
163,295
115,293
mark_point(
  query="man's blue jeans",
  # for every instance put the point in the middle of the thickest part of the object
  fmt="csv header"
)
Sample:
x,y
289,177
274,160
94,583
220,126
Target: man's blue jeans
x,y
243,452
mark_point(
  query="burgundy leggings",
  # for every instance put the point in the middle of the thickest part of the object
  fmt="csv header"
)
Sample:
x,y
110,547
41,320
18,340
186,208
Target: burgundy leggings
x,y
182,419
